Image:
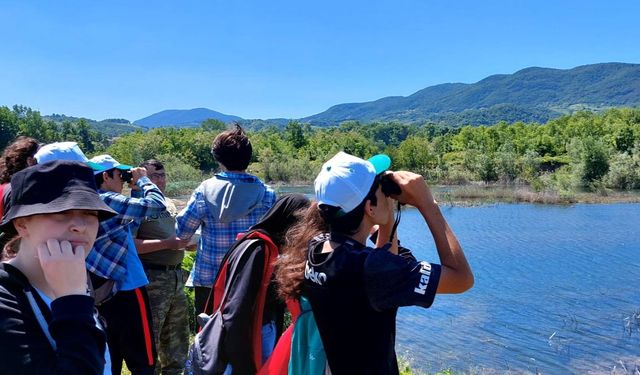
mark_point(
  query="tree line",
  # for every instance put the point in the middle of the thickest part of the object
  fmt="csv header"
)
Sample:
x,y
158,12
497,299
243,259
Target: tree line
x,y
585,149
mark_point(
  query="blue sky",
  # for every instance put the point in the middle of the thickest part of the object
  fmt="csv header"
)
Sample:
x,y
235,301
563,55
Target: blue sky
x,y
266,59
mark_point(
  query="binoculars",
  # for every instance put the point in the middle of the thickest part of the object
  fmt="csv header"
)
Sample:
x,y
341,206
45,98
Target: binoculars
x,y
389,186
126,175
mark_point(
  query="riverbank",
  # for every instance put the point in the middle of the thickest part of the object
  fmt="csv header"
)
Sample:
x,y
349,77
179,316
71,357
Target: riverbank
x,y
473,194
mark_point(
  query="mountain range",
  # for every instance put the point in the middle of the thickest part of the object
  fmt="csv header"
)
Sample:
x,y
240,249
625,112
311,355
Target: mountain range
x,y
529,95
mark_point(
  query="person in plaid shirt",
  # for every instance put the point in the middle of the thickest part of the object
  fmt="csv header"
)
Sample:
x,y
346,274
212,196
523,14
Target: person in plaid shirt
x,y
127,313
224,205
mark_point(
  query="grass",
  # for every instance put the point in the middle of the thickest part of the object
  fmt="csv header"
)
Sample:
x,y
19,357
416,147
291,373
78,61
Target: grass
x,y
469,194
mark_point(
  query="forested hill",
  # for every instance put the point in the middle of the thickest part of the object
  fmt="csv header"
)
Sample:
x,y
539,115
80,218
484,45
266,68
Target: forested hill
x,y
529,95
188,118
109,127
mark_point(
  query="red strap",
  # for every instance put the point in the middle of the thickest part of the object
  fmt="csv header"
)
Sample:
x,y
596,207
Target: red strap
x,y
270,255
293,305
2,200
218,290
278,362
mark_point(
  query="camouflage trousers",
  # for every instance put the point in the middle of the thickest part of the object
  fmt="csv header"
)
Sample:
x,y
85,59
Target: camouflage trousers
x,y
170,320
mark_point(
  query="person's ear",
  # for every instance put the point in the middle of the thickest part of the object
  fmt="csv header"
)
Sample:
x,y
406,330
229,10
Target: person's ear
x,y
21,226
106,177
368,208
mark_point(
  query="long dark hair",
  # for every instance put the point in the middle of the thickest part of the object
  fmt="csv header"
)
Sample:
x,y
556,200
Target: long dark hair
x,y
317,219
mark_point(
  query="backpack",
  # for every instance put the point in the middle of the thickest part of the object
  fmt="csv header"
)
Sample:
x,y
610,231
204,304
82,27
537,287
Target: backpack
x,y
300,349
209,352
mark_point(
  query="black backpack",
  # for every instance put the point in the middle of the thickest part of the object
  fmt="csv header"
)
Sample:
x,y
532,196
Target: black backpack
x,y
218,343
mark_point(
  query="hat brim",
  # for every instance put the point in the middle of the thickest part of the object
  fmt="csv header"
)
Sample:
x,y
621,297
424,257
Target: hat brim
x,y
73,200
380,162
97,168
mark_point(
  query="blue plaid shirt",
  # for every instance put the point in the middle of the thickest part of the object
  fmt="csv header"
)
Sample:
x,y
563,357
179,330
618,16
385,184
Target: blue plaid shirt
x,y
108,255
216,237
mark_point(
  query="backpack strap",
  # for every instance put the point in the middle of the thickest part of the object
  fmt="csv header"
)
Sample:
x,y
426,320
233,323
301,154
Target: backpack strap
x,y
2,201
270,255
219,283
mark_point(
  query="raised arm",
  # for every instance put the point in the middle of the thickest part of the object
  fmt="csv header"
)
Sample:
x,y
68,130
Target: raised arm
x,y
456,276
151,203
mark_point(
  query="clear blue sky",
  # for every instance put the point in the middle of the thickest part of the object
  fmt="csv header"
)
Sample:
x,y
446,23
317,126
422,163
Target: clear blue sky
x,y
266,59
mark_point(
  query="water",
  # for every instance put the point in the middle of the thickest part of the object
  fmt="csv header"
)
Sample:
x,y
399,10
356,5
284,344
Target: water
x,y
556,291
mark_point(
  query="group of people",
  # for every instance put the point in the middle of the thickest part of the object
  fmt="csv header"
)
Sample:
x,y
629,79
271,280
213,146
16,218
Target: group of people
x,y
92,277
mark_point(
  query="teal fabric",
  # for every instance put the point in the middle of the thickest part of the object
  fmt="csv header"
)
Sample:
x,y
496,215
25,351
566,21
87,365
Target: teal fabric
x,y
307,352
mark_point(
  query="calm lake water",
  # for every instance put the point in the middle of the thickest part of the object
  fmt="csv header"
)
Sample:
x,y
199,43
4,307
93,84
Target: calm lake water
x,y
557,291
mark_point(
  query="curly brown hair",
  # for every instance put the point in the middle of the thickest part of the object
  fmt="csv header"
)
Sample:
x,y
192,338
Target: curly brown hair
x,y
290,265
15,157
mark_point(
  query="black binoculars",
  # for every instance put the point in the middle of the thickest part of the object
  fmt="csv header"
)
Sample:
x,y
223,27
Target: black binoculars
x,y
126,175
389,186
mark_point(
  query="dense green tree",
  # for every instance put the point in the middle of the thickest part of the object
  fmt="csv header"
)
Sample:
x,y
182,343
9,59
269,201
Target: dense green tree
x,y
294,134
595,160
8,126
213,125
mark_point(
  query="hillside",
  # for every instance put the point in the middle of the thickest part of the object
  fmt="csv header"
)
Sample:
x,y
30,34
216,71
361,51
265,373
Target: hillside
x,y
531,94
109,127
184,118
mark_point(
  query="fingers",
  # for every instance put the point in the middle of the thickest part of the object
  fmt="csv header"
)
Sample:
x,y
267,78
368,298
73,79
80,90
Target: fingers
x,y
43,253
414,189
55,249
80,252
63,267
182,243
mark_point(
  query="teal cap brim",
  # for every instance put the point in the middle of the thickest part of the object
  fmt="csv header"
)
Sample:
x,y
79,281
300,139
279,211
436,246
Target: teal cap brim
x,y
381,162
98,168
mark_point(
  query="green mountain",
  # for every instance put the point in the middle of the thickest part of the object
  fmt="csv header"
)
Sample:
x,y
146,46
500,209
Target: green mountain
x,y
110,127
530,95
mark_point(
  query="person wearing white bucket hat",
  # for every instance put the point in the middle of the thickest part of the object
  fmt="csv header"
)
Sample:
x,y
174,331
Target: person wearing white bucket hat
x,y
355,290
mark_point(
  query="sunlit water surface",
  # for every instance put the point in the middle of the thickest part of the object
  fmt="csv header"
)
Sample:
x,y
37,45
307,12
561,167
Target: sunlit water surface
x,y
557,291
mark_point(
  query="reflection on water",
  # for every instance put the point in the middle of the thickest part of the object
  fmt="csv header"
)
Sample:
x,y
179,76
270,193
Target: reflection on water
x,y
556,291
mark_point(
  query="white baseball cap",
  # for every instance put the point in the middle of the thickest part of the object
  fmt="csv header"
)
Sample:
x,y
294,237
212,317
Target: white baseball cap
x,y
345,180
105,162
60,151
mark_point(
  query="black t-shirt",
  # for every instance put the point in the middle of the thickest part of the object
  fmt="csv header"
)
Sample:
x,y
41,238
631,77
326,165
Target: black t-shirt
x,y
354,292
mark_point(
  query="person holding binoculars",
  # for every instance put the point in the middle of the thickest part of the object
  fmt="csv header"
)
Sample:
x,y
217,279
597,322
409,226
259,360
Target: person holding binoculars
x,y
127,312
355,290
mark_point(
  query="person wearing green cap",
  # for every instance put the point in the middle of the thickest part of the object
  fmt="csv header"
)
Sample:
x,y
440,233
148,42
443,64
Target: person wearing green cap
x,y
355,290
127,312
